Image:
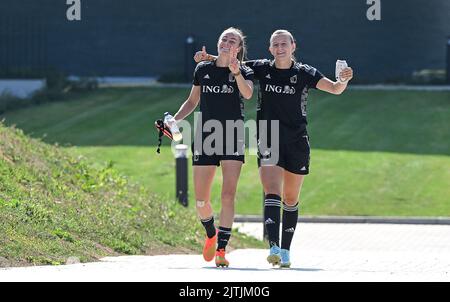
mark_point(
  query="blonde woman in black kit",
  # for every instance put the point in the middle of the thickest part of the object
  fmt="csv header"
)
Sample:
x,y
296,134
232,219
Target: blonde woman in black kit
x,y
284,85
219,86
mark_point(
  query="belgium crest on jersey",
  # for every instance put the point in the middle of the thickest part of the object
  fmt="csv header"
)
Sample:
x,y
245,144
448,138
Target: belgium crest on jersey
x,y
294,79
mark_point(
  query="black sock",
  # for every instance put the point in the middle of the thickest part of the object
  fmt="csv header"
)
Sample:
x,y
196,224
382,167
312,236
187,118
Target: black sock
x,y
208,223
272,205
223,237
290,216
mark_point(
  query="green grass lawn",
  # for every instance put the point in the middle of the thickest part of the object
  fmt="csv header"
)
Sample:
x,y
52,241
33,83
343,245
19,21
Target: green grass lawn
x,y
340,182
373,152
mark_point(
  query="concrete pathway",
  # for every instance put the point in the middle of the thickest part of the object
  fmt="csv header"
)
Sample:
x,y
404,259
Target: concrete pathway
x,y
320,252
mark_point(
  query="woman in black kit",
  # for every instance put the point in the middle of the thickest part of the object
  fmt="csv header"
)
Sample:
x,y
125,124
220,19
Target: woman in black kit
x,y
219,86
284,85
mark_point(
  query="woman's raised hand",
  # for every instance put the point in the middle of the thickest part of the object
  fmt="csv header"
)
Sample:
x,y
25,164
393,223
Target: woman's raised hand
x,y
234,62
201,55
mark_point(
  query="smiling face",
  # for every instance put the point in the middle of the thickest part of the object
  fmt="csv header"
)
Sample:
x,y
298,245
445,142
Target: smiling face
x,y
228,41
282,46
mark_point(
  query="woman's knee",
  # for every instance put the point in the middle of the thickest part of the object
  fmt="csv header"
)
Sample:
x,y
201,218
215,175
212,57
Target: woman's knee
x,y
228,197
272,189
290,201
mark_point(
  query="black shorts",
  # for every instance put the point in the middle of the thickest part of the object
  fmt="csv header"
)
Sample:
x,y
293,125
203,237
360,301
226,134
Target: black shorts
x,y
293,157
214,160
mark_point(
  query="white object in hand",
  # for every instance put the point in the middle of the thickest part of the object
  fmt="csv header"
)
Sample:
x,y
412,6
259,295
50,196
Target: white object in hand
x,y
170,122
340,65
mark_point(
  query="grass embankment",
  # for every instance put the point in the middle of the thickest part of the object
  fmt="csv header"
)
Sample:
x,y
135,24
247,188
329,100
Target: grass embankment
x,y
54,205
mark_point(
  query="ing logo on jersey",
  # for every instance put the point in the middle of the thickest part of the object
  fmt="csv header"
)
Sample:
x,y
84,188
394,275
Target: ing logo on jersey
x,y
217,89
280,89
231,78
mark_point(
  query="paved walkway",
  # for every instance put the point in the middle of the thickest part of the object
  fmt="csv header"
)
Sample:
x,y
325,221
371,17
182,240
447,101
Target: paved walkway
x,y
320,252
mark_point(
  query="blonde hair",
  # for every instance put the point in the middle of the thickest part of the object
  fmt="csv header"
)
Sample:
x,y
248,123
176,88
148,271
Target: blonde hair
x,y
280,32
243,45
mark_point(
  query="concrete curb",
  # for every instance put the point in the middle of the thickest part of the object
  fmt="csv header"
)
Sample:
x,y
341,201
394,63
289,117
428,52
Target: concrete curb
x,y
356,219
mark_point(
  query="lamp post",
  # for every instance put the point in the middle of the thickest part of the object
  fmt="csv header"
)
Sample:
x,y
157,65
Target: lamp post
x,y
181,168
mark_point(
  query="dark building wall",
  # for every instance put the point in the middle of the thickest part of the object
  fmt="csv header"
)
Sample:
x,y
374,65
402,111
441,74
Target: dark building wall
x,y
147,38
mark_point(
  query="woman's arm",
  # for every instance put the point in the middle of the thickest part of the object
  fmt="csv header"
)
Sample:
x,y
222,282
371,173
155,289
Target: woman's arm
x,y
203,56
327,85
245,86
189,105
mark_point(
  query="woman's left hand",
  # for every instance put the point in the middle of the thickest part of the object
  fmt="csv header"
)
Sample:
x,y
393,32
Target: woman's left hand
x,y
234,62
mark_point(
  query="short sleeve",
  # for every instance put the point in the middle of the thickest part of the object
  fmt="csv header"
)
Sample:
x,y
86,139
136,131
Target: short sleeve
x,y
313,76
247,73
258,67
195,80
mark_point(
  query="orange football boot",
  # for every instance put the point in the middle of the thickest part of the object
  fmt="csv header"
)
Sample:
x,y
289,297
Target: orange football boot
x,y
220,259
209,248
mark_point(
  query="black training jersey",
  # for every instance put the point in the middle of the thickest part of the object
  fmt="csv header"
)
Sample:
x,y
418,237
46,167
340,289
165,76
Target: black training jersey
x,y
220,98
283,95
